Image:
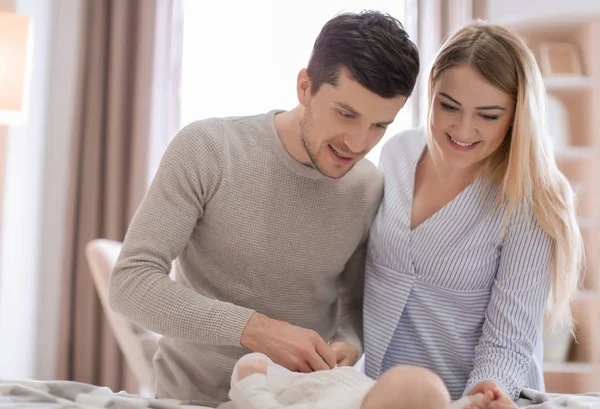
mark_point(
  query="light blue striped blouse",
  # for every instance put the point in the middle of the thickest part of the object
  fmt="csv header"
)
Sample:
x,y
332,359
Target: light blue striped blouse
x,y
452,295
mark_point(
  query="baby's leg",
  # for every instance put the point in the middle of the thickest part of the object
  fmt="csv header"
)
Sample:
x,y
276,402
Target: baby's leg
x,y
273,370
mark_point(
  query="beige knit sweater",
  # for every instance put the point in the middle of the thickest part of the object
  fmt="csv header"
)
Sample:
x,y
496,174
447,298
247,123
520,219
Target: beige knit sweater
x,y
251,229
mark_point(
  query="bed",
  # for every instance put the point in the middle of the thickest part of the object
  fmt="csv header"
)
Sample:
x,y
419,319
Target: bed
x,y
538,400
74,395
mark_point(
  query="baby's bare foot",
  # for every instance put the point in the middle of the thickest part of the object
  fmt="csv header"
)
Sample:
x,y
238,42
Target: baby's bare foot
x,y
251,367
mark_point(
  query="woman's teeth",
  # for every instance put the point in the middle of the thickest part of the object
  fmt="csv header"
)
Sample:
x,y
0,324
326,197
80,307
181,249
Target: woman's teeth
x,y
461,143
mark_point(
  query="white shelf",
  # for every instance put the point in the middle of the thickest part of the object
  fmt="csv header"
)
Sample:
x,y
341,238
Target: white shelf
x,y
585,223
525,24
568,83
586,295
575,152
580,93
570,367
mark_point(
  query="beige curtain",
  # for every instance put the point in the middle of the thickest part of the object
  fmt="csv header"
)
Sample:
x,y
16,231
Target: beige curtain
x,y
128,92
432,21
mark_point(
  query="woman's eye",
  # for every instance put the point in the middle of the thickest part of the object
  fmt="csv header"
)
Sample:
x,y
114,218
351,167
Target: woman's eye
x,y
489,117
448,107
345,115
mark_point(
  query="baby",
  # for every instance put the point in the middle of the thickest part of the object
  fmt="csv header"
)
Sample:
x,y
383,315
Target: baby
x,y
258,383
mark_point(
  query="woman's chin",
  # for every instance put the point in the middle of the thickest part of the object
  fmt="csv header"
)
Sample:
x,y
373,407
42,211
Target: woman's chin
x,y
458,162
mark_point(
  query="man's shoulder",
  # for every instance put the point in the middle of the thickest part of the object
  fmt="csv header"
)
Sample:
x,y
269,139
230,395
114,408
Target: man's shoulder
x,y
223,129
366,171
402,147
366,177
200,135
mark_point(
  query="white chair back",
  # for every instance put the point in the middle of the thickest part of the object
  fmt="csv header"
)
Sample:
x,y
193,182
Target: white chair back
x,y
137,344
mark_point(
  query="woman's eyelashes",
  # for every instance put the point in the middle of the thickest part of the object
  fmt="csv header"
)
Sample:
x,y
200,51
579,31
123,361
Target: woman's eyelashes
x,y
451,108
489,117
448,107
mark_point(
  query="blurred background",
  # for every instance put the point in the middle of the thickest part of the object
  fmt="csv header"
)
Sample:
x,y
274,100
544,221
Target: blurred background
x,y
92,91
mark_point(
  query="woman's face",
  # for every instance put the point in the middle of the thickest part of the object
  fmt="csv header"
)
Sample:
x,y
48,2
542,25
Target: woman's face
x,y
470,117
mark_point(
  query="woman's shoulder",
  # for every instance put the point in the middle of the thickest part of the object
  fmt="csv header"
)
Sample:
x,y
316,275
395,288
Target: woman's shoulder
x,y
404,145
407,137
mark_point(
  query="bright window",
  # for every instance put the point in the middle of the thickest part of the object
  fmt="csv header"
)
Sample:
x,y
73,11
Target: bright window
x,y
242,57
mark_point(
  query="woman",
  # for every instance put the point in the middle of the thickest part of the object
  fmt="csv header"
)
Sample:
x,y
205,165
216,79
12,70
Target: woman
x,y
477,231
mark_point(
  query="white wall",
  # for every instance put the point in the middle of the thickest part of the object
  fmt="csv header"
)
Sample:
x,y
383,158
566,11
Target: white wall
x,y
36,183
23,211
514,10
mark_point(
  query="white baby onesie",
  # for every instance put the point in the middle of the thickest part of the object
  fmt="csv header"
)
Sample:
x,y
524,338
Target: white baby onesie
x,y
338,388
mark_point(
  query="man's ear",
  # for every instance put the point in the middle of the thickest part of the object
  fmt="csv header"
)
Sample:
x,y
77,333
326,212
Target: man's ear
x,y
303,87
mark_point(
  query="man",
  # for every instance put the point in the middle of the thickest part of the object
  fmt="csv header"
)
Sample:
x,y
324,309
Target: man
x,y
267,217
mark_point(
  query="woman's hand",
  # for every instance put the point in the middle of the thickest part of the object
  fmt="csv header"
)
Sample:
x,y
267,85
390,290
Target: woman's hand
x,y
495,398
480,400
346,354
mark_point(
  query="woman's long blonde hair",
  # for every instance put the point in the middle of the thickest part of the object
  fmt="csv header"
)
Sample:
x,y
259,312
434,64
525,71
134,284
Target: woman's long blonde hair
x,y
524,165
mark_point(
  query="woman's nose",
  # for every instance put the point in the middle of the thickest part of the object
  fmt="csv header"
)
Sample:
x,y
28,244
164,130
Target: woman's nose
x,y
465,131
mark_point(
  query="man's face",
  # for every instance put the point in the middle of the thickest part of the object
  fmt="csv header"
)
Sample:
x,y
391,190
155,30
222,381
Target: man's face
x,y
342,123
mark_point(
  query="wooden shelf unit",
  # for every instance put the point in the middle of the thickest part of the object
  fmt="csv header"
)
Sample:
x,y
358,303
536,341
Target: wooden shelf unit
x,y
580,95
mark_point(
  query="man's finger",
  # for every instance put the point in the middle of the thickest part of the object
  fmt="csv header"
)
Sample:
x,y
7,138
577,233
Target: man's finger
x,y
316,361
327,353
303,366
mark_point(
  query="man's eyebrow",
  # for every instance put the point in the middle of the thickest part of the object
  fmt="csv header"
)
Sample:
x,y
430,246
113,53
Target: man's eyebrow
x,y
357,114
348,108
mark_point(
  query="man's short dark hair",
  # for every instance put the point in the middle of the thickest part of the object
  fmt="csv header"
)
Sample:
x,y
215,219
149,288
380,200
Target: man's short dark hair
x,y
373,47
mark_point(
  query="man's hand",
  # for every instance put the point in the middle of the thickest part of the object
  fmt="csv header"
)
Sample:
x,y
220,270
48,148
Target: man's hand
x,y
251,367
346,354
295,348
499,399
